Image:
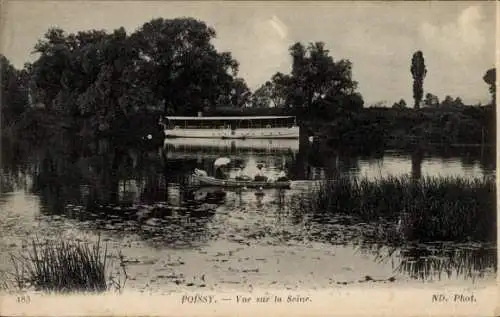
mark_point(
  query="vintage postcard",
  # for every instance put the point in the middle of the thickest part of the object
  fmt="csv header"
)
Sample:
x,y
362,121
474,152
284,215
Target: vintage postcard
x,y
200,158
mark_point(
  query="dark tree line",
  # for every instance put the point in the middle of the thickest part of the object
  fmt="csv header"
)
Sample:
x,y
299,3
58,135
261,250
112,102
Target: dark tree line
x,y
169,65
432,101
99,82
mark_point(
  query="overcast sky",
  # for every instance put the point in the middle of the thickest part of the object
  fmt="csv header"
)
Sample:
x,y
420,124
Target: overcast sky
x,y
457,38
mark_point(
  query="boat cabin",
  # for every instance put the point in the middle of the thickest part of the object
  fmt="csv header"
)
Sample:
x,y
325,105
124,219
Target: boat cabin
x,y
230,122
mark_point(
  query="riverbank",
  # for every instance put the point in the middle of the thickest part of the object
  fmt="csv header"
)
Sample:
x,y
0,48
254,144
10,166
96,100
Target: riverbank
x,y
400,128
41,126
249,264
367,128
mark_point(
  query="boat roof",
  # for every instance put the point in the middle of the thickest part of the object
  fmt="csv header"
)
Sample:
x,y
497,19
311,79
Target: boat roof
x,y
231,118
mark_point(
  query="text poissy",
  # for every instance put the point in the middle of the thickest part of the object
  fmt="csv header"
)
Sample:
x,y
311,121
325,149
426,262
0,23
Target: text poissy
x,y
198,299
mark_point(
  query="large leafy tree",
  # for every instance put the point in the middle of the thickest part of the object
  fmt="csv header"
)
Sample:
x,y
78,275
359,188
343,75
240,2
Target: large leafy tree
x,y
182,66
236,95
280,86
14,93
316,74
261,98
67,64
112,96
418,72
490,78
318,85
101,79
273,93
86,75
240,94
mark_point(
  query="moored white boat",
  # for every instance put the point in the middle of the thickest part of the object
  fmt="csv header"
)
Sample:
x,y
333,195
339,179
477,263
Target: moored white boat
x,y
262,127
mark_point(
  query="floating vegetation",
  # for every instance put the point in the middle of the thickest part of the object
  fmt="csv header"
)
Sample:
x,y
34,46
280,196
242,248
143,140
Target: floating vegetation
x,y
424,209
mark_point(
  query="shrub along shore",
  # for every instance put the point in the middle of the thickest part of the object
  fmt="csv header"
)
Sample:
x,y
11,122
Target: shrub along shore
x,y
424,209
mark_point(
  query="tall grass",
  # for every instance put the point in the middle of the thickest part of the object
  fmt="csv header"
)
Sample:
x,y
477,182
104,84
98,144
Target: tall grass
x,y
425,209
64,267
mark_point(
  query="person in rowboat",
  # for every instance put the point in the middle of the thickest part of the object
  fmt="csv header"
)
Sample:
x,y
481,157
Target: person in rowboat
x,y
282,177
259,177
219,173
240,176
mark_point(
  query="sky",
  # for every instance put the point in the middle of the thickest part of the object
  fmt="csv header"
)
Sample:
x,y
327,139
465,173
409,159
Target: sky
x,y
457,38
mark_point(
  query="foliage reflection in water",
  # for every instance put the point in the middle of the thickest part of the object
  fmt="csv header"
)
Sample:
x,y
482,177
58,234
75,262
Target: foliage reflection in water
x,y
145,195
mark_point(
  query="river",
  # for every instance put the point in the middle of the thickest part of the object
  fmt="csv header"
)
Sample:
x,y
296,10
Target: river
x,y
174,236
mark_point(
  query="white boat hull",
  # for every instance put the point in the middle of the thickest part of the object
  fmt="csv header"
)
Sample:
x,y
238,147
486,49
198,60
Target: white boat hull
x,y
262,133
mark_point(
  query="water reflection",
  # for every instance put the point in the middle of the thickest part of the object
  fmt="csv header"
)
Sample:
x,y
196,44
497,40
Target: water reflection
x,y
437,261
147,194
160,223
416,163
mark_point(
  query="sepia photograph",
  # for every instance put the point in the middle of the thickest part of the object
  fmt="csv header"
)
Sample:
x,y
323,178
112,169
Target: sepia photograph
x,y
232,153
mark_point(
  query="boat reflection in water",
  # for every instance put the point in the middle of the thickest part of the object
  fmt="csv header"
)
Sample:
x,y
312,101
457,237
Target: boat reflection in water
x,y
245,156
179,148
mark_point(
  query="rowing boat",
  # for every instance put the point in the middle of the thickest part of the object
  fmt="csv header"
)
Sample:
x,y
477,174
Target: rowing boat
x,y
212,181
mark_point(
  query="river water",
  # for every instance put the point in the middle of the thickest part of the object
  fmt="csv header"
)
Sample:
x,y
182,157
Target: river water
x,y
174,236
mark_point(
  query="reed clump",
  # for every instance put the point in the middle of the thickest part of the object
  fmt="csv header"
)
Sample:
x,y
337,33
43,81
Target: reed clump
x,y
424,209
63,267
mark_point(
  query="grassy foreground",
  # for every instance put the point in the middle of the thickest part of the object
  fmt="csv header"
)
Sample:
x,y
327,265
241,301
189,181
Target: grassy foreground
x,y
64,267
426,209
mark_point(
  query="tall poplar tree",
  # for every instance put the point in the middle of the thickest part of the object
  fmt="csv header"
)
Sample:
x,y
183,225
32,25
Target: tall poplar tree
x,y
418,71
